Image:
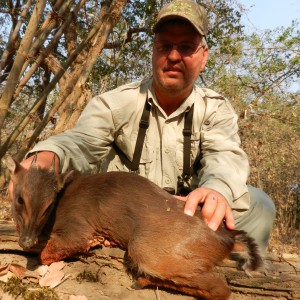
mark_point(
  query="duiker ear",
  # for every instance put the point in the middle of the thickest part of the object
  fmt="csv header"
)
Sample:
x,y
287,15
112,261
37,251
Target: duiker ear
x,y
13,166
33,162
65,178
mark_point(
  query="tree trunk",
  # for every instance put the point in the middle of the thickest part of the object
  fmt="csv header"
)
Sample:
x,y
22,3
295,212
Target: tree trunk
x,y
75,102
21,57
89,49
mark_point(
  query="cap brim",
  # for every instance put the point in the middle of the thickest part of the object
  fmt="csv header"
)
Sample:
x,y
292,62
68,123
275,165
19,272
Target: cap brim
x,y
174,17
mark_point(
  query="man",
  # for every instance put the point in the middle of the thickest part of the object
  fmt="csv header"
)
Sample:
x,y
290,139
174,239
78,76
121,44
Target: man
x,y
107,132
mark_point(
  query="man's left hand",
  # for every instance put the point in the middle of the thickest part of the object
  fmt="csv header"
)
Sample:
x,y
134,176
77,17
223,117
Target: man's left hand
x,y
215,207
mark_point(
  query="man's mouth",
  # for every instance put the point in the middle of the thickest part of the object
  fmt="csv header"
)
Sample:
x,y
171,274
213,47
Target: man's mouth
x,y
176,70
173,72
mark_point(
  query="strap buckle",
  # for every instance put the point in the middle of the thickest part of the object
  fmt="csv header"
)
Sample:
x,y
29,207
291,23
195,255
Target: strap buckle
x,y
187,132
144,124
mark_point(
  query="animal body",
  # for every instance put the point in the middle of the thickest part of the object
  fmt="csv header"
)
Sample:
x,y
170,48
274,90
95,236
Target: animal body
x,y
164,247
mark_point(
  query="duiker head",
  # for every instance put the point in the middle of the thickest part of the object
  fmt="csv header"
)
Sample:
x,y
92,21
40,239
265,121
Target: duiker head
x,y
34,195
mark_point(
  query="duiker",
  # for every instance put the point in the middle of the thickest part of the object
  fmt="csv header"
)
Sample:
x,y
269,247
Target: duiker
x,y
164,247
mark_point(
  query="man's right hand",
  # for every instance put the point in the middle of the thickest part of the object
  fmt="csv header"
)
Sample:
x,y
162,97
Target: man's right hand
x,y
44,160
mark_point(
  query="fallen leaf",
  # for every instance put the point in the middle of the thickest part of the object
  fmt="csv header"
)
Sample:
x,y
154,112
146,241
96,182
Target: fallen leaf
x,y
57,266
4,270
18,270
52,279
41,270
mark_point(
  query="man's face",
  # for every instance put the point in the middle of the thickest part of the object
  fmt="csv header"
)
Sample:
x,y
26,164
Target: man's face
x,y
176,68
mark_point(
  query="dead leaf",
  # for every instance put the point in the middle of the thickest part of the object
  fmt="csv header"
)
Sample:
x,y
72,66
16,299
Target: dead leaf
x,y
52,279
57,266
41,270
18,270
4,270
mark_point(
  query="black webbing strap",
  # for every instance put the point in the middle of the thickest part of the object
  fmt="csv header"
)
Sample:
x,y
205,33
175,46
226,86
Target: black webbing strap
x,y
122,156
144,124
187,133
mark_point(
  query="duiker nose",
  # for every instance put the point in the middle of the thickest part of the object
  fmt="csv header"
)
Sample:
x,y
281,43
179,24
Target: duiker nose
x,y
27,242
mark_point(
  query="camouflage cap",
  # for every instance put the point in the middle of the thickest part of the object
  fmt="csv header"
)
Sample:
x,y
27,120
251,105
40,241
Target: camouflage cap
x,y
184,9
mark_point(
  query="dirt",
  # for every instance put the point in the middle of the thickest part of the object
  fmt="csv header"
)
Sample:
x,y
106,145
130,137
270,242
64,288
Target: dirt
x,y
106,264
113,283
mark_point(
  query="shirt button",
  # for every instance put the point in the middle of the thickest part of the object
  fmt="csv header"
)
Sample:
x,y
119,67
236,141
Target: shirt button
x,y
207,122
167,151
167,180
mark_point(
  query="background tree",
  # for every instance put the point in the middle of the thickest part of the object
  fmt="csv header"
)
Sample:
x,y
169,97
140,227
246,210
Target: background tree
x,y
57,66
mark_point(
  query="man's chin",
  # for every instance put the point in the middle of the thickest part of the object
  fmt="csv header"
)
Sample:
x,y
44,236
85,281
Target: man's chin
x,y
173,84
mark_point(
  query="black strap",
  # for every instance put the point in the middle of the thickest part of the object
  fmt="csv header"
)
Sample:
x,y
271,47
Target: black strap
x,y
144,124
122,156
187,133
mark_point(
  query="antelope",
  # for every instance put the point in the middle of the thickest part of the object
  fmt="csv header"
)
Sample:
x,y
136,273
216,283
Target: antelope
x,y
164,247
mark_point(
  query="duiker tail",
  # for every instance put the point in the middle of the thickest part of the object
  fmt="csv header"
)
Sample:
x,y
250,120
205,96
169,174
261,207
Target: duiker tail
x,y
254,261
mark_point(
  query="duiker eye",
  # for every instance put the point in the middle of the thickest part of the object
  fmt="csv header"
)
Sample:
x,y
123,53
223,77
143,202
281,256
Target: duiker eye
x,y
20,200
48,210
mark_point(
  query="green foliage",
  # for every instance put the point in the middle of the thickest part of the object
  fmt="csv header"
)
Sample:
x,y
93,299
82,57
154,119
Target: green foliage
x,y
41,294
14,287
88,276
132,61
27,291
262,68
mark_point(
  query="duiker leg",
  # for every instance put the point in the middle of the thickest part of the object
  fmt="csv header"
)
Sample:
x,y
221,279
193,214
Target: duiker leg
x,y
184,269
207,287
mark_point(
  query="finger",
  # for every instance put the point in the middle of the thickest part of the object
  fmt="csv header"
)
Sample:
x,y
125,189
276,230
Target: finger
x,y
229,218
209,207
218,214
182,198
193,199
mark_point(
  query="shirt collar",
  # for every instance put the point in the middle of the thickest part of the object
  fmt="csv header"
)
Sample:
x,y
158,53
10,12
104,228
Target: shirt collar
x,y
185,106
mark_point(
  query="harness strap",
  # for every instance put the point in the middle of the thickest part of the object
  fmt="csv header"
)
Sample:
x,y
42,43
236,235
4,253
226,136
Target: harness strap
x,y
187,133
144,124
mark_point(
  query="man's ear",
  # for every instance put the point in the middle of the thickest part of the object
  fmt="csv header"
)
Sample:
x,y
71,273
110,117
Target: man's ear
x,y
204,58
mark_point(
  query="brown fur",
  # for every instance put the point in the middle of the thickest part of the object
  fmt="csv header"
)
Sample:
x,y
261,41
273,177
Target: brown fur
x,y
164,247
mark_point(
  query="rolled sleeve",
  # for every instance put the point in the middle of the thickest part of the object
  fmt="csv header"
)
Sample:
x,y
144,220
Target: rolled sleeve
x,y
82,147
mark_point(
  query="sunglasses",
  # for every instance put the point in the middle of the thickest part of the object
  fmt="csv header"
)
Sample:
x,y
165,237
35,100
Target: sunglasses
x,y
184,49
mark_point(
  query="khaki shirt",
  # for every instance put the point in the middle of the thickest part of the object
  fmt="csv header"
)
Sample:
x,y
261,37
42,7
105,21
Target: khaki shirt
x,y
114,117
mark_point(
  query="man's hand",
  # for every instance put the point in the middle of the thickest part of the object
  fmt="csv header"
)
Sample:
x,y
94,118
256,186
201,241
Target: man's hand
x,y
215,207
43,160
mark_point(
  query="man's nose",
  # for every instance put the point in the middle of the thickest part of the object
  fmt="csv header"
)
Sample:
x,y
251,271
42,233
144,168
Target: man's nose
x,y
174,53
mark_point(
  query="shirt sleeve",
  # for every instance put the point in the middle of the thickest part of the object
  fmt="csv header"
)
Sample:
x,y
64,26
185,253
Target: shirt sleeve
x,y
82,147
225,166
